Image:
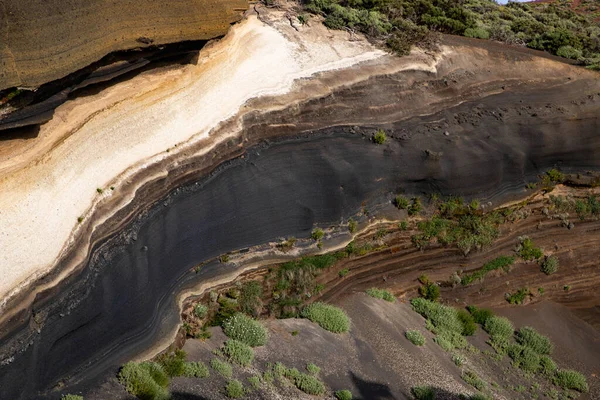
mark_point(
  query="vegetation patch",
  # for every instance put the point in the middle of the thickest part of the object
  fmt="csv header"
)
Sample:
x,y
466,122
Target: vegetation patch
x,y
234,389
381,294
146,380
238,352
415,337
518,297
570,379
527,250
71,397
549,265
529,337
472,379
423,392
195,369
379,137
343,395
480,315
222,367
328,317
502,262
244,329
523,357
313,369
501,331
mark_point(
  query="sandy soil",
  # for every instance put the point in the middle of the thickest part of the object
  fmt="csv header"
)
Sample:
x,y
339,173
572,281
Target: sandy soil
x,y
50,181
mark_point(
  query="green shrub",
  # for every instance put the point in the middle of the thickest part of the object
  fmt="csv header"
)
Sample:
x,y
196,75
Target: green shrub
x,y
200,310
238,352
380,137
415,337
343,272
146,380
343,395
480,315
430,291
442,317
478,33
529,337
195,370
222,367
570,379
569,52
309,384
254,381
549,265
499,328
245,329
472,379
250,299
234,389
450,340
401,202
313,369
317,234
327,316
423,393
415,206
503,262
517,297
381,294
458,360
547,366
352,225
468,322
524,358
173,363
71,397
528,251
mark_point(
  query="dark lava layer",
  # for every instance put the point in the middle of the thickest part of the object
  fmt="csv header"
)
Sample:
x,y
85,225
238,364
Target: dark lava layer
x,y
123,299
44,40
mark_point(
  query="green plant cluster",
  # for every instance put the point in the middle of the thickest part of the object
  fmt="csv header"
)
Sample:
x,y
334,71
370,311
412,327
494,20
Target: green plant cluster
x,y
501,332
502,262
428,289
527,250
146,380
457,223
379,137
71,397
234,389
222,367
549,265
569,379
195,369
474,380
343,395
412,206
308,383
518,297
246,330
328,317
480,315
584,208
551,27
381,294
238,352
423,392
447,323
415,337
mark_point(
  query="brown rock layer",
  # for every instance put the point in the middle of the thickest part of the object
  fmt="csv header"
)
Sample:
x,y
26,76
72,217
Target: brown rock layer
x,y
44,40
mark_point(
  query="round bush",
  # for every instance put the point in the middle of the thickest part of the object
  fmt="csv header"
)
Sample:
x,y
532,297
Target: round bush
x,y
570,379
245,329
415,337
499,327
200,310
327,316
529,337
547,366
234,389
238,352
569,52
309,384
145,380
343,395
423,393
195,370
549,265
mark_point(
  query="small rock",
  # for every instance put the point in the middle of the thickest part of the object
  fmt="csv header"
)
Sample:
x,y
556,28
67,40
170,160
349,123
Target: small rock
x,y
145,248
446,133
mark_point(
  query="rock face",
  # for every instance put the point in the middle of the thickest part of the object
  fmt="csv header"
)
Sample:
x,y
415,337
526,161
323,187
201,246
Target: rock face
x,y
44,40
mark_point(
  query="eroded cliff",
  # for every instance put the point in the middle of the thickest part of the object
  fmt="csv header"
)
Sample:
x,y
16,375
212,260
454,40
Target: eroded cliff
x,y
41,41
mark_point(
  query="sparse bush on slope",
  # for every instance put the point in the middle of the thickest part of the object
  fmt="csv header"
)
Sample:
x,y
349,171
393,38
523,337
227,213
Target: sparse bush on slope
x,y
327,316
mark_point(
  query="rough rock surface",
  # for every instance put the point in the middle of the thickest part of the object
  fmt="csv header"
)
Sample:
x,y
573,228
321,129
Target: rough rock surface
x,y
44,40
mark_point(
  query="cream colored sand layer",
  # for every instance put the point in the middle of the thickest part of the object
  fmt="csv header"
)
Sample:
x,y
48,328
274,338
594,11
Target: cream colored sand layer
x,y
98,141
